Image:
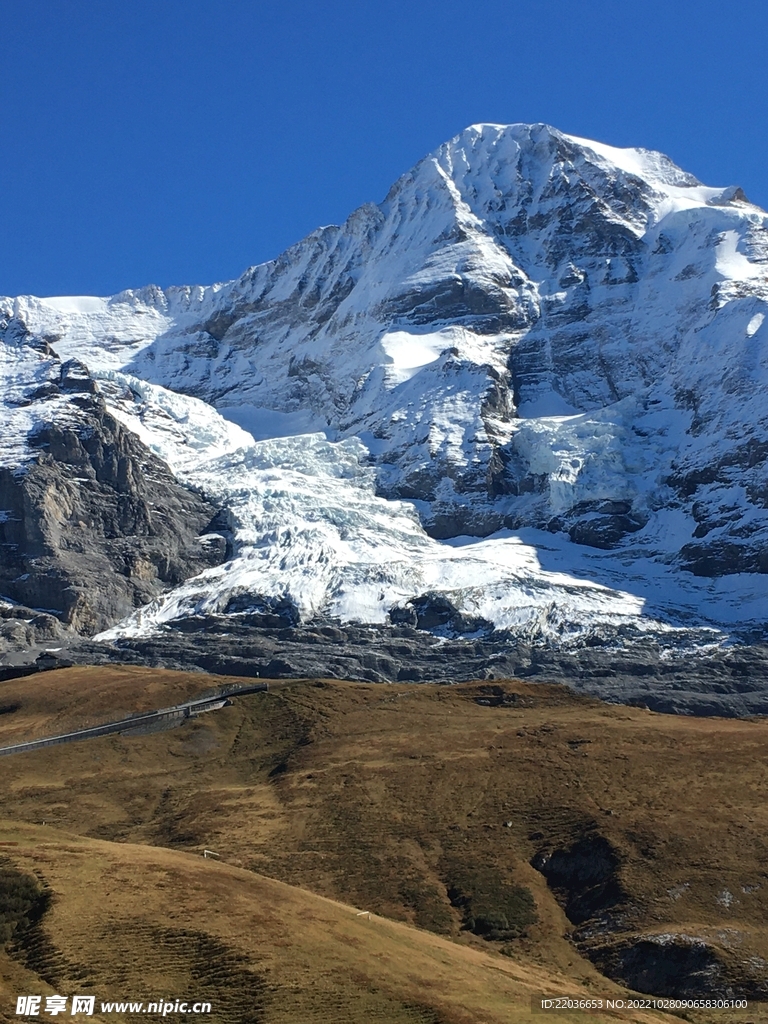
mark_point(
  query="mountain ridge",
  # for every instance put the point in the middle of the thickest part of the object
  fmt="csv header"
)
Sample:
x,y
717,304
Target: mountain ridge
x,y
529,383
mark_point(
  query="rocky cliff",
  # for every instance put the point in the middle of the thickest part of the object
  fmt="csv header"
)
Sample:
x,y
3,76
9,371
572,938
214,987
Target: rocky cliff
x,y
93,525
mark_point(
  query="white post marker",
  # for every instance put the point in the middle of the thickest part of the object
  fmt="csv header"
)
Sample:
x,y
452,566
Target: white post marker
x,y
209,853
364,913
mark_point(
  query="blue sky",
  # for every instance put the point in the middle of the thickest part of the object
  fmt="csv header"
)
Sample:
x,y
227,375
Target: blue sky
x,y
174,142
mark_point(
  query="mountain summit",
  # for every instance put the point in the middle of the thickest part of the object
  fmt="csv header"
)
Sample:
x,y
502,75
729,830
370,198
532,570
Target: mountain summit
x,y
525,393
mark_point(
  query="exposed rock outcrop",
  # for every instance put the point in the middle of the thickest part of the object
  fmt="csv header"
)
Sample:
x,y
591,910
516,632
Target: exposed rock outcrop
x,y
93,524
585,877
731,682
679,965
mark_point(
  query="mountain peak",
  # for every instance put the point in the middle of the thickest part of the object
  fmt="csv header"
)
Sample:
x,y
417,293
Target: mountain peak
x,y
542,149
530,384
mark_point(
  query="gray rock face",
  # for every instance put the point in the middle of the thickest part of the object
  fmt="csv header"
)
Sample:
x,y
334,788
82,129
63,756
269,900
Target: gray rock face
x,y
729,683
585,878
598,524
23,631
94,525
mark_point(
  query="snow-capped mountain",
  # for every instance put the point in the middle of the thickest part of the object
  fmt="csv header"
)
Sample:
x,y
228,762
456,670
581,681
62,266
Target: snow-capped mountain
x,y
528,391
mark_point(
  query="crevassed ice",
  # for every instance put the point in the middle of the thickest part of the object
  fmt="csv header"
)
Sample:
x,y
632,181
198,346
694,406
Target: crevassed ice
x,y
309,526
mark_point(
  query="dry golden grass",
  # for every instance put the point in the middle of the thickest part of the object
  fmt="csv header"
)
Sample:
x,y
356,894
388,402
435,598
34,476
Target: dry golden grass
x,y
60,701
381,796
135,922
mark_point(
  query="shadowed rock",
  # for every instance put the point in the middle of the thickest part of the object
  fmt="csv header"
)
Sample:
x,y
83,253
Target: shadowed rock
x,y
95,525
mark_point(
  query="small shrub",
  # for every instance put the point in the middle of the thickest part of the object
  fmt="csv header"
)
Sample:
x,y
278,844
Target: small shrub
x,y
23,901
492,908
430,910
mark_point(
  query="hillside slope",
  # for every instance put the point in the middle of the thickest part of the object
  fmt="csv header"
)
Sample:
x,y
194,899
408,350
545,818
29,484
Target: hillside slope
x,y
260,951
517,819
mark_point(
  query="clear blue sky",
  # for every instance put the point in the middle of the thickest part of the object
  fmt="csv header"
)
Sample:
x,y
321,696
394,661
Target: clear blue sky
x,y
180,141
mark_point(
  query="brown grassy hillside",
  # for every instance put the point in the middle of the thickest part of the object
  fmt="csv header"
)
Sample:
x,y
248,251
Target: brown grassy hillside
x,y
131,921
429,805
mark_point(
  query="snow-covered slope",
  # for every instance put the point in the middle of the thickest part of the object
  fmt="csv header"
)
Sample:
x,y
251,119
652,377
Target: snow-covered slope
x,y
534,380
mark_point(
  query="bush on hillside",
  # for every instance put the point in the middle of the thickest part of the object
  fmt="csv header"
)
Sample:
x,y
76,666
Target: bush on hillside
x,y
22,900
491,907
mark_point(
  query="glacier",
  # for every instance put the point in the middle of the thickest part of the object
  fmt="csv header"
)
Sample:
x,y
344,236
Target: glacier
x,y
532,383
